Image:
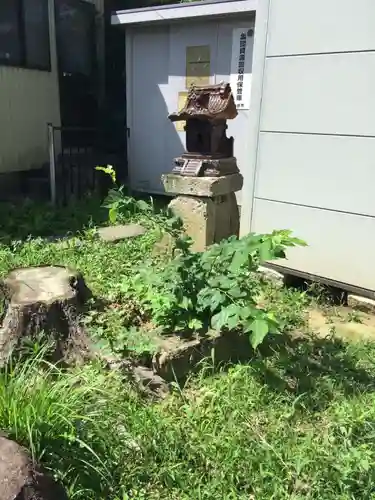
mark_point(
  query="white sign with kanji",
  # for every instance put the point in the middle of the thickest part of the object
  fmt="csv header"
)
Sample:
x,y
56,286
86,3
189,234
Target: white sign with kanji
x,y
241,66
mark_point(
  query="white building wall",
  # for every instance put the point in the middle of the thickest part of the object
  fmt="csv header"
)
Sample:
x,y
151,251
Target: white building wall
x,y
313,134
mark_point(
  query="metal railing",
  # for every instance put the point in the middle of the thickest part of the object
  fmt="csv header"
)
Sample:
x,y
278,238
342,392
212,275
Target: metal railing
x,y
74,152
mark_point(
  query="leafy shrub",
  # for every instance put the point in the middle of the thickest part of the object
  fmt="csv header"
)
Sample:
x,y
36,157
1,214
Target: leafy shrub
x,y
215,289
118,202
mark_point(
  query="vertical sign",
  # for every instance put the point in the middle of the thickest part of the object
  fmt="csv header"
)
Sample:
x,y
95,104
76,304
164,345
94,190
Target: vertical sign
x,y
241,66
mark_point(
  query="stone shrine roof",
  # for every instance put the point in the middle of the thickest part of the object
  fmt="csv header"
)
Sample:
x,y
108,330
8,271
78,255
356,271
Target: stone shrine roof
x,y
210,102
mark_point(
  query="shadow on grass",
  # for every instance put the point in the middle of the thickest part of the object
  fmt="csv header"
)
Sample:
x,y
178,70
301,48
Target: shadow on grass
x,y
19,221
316,369
40,219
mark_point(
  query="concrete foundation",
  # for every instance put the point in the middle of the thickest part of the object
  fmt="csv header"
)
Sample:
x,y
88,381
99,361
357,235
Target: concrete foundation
x,y
361,303
206,205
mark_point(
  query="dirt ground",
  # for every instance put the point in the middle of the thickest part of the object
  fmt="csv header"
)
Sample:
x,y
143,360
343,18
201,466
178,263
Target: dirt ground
x,y
342,321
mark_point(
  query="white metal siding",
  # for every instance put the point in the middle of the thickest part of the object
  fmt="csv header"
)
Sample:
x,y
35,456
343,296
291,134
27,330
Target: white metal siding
x,y
313,142
320,26
326,94
340,244
332,172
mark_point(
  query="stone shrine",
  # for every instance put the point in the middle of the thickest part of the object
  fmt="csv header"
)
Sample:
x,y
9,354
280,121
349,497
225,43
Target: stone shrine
x,y
206,177
209,152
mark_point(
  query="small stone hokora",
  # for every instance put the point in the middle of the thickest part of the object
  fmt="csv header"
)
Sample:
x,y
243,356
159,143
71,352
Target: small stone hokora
x,y
209,152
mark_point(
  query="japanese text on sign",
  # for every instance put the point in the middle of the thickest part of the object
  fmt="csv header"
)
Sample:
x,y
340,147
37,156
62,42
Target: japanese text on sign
x,y
241,67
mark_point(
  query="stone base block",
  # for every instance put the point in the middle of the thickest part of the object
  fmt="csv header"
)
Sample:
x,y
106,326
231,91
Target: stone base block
x,y
207,220
273,276
202,186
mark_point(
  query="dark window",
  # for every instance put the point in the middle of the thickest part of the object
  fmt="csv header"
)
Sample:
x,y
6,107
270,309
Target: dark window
x,y
24,34
75,36
37,50
10,36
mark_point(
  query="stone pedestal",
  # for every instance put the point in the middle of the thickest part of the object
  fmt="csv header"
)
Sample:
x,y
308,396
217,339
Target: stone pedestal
x,y
206,205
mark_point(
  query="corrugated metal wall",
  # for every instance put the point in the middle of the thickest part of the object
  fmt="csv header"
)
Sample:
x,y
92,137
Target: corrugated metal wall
x,y
28,101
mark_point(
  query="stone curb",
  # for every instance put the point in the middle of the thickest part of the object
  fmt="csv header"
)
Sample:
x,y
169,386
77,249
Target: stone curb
x,y
361,303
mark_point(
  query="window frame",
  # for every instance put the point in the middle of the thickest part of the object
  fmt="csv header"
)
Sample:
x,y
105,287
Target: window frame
x,y
19,5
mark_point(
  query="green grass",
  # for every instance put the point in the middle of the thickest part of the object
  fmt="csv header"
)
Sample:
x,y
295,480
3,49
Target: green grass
x,y
33,234
297,422
288,304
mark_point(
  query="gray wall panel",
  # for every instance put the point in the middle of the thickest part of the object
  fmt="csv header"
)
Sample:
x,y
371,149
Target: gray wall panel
x,y
313,26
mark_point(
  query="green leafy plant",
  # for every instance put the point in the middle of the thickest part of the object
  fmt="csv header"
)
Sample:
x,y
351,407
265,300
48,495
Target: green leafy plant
x,y
215,289
118,202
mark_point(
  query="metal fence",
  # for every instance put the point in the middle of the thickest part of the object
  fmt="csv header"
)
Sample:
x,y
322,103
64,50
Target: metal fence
x,y
74,153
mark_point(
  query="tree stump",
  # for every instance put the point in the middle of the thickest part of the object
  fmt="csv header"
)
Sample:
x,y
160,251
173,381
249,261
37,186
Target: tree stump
x,y
45,302
20,479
